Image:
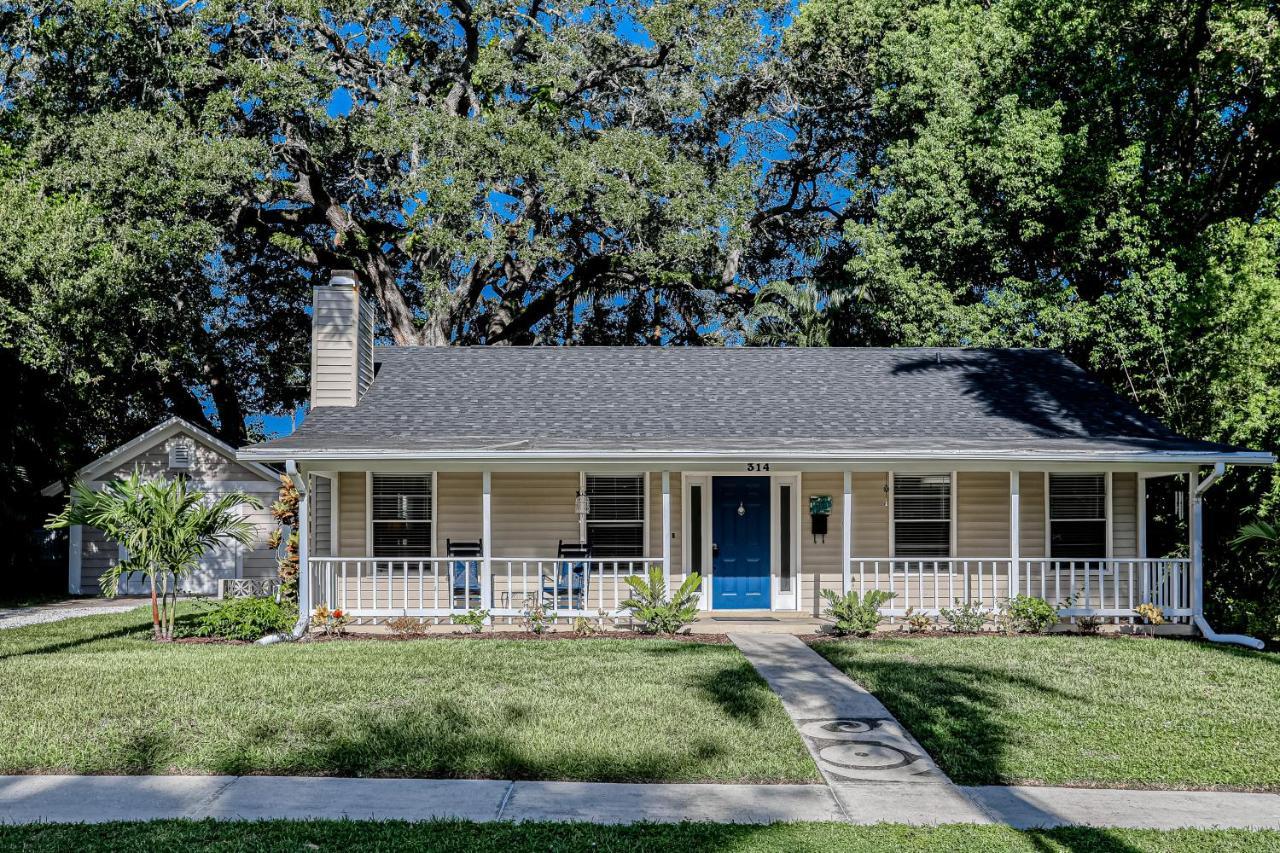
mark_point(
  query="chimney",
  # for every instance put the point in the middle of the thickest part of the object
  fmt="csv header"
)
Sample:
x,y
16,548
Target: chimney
x,y
341,342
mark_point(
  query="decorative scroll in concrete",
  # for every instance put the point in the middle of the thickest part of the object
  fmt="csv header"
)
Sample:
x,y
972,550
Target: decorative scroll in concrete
x,y
866,749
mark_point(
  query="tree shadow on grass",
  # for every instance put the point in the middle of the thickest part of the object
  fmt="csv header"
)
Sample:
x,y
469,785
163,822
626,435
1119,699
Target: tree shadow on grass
x,y
950,709
444,739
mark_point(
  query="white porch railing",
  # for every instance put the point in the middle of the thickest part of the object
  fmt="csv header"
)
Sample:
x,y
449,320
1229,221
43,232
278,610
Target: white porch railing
x,y
1102,587
383,588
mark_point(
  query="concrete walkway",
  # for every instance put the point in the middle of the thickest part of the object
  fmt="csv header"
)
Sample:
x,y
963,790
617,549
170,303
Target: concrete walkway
x,y
871,763
56,611
94,799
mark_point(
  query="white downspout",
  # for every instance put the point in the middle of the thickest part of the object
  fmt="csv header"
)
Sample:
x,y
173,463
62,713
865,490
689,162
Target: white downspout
x,y
304,571
1197,564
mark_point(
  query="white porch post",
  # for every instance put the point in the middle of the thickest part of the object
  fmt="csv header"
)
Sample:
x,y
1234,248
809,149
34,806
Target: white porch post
x,y
486,540
304,546
666,530
1142,516
1196,531
1015,534
846,532
75,545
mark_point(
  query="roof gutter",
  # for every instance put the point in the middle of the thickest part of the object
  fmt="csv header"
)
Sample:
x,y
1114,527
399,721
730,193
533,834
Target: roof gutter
x,y
1205,628
738,454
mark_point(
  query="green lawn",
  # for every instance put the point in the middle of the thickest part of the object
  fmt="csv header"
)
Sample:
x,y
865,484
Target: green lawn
x,y
706,838
93,695
1066,710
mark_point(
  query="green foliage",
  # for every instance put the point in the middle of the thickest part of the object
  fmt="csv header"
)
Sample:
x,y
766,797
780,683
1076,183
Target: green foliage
x,y
473,619
854,614
165,528
965,617
245,619
659,614
536,615
1026,614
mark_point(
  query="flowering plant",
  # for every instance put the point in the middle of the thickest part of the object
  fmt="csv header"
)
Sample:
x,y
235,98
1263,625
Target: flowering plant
x,y
332,622
1152,614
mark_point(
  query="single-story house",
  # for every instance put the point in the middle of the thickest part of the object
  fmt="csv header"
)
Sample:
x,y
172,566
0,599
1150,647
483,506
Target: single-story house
x,y
177,448
439,480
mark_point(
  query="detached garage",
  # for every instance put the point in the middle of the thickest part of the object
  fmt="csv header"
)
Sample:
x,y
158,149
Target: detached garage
x,y
176,448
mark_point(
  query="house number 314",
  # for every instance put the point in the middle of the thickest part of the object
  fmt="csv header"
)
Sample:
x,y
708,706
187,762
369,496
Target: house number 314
x,y
757,466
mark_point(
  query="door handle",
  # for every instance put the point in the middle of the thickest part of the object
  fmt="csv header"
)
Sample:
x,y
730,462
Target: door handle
x,y
715,550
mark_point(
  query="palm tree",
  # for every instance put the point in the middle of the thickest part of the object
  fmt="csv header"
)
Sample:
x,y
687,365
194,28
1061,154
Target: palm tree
x,y
786,314
165,528
1263,533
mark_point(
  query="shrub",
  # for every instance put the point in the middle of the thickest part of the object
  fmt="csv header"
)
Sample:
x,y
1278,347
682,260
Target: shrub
x,y
537,618
473,619
1026,614
916,621
649,603
406,626
1088,624
331,622
853,614
583,627
245,619
967,617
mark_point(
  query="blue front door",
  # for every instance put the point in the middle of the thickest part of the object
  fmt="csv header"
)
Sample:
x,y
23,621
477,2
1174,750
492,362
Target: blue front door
x,y
740,531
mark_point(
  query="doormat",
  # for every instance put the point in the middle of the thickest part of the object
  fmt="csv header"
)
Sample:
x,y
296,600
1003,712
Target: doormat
x,y
743,619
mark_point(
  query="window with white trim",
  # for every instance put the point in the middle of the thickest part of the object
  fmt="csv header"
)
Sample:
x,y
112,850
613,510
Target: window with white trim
x,y
1077,516
615,520
401,513
922,515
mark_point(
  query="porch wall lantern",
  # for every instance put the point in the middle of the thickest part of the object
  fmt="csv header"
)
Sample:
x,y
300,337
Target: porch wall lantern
x,y
582,506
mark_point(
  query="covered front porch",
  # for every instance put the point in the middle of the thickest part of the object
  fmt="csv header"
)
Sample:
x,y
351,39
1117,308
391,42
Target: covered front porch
x,y
388,540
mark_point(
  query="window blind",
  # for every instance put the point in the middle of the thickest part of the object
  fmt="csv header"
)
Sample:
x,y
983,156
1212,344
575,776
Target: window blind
x,y
401,509
615,522
1077,516
922,515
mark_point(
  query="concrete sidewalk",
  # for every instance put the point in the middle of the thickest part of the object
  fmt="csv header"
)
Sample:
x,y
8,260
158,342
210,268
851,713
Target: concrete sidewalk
x,y
94,799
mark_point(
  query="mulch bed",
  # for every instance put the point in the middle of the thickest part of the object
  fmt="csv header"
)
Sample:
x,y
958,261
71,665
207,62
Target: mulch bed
x,y
550,636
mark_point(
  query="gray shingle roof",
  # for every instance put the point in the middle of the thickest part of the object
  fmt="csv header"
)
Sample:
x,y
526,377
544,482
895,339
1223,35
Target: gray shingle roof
x,y
611,399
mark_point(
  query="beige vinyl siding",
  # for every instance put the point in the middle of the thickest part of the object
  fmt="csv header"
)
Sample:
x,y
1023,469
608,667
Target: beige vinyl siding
x,y
982,514
458,507
336,351
870,514
352,514
1031,510
321,504
1124,506
258,560
820,561
97,554
532,512
653,546
207,464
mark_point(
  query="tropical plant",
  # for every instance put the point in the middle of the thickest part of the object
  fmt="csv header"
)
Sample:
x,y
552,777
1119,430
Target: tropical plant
x,y
854,614
1026,614
165,528
331,621
786,314
915,621
966,617
245,619
1258,612
285,511
650,605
